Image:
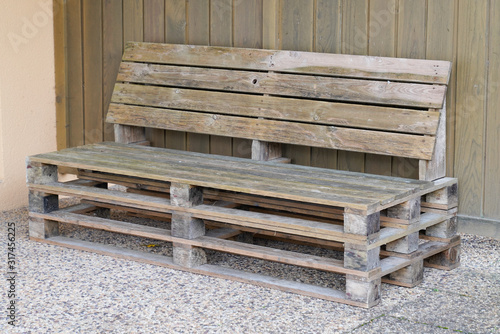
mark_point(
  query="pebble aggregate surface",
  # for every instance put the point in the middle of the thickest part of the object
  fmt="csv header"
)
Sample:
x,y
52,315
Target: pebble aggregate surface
x,y
61,290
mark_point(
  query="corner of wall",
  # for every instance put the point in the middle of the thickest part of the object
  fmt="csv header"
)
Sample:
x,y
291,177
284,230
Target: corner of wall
x,y
27,109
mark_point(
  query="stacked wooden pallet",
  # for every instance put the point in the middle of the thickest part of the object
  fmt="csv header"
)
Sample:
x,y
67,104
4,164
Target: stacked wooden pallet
x,y
273,98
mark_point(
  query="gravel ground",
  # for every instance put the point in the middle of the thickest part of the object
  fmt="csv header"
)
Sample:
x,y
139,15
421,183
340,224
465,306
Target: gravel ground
x,y
61,290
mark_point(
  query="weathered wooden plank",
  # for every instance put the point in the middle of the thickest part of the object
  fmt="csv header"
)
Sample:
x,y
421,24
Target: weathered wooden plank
x,y
394,69
154,31
336,89
112,37
492,163
436,167
326,212
126,134
175,32
75,72
470,119
404,145
245,166
356,194
342,114
218,244
233,216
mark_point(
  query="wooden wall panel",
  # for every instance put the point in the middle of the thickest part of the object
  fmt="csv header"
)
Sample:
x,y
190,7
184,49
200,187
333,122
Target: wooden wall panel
x,y
327,38
354,41
471,78
198,25
61,72
92,71
411,44
133,21
112,36
248,35
441,44
466,32
492,168
154,31
175,32
74,56
221,34
382,42
296,31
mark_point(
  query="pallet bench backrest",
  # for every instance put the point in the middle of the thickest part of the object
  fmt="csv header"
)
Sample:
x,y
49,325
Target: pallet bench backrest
x,y
387,106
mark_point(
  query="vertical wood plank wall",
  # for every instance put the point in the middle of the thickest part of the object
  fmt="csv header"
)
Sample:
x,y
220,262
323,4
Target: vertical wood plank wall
x,y
90,35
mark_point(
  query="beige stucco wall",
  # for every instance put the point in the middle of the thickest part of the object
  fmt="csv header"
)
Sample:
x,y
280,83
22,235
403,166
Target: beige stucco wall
x,y
27,95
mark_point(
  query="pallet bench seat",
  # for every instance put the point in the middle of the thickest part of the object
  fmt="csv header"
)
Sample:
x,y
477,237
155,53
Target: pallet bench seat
x,y
387,228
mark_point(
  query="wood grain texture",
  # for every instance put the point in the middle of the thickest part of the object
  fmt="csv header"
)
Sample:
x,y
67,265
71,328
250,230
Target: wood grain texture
x,y
269,130
112,37
297,25
334,89
382,42
75,72
257,178
327,38
471,76
198,25
246,37
492,163
270,24
133,21
411,44
354,41
272,107
154,31
441,44
175,21
60,61
436,167
92,70
175,32
221,34
408,70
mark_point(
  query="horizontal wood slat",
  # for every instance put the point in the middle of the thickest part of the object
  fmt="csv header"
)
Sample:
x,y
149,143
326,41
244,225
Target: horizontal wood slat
x,y
233,216
311,111
383,68
404,145
329,88
382,181
234,247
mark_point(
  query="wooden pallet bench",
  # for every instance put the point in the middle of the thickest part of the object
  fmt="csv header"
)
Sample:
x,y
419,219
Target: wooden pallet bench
x,y
387,228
